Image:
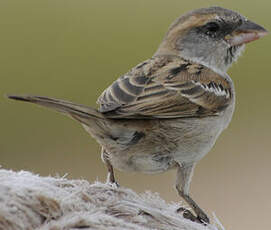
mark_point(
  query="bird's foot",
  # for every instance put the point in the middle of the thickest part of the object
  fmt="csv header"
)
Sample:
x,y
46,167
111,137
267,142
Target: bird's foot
x,y
111,179
115,184
187,214
203,218
112,183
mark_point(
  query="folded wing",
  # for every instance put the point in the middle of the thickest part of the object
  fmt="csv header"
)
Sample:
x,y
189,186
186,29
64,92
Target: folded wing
x,y
166,87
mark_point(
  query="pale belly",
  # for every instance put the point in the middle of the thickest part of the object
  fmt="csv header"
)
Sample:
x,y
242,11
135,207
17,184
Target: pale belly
x,y
171,142
160,144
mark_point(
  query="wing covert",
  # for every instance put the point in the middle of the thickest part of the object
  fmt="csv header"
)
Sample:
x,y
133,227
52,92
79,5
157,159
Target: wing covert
x,y
166,87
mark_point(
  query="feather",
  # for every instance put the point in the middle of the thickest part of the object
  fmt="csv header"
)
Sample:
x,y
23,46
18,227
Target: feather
x,y
166,87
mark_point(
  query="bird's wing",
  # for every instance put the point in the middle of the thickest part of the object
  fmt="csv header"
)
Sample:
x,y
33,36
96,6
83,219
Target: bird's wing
x,y
166,87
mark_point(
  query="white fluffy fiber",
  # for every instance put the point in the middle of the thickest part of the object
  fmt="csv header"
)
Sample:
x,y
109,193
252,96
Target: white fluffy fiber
x,y
29,202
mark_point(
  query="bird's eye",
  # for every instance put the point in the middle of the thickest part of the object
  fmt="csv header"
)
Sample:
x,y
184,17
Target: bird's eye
x,y
211,28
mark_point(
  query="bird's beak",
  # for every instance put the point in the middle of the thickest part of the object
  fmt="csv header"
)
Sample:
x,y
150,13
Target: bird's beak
x,y
247,32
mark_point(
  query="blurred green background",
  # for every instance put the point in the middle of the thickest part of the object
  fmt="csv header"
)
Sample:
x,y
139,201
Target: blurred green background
x,y
73,49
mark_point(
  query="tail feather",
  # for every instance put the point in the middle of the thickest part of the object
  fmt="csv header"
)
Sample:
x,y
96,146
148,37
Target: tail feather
x,y
74,110
107,132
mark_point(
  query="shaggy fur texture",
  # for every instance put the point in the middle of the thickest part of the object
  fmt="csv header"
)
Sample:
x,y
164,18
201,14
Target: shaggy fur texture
x,y
29,202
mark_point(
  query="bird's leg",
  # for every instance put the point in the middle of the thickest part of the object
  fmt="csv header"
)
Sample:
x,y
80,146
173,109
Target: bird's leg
x,y
110,175
184,176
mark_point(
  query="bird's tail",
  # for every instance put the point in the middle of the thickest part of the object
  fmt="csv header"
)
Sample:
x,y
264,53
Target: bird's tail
x,y
106,131
68,108
92,120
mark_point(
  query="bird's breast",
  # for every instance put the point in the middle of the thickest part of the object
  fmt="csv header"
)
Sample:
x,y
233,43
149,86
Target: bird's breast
x,y
166,142
198,136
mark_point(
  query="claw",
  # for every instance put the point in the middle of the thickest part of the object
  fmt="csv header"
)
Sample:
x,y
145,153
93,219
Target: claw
x,y
187,214
113,183
203,218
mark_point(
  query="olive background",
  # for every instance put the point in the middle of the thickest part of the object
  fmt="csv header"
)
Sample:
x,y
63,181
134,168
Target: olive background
x,y
74,49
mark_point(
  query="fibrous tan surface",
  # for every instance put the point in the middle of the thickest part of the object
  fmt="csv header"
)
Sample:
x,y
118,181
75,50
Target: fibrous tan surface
x,y
28,201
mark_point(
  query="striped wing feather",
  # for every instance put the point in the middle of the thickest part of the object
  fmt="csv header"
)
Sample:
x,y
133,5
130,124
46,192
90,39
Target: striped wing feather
x,y
166,88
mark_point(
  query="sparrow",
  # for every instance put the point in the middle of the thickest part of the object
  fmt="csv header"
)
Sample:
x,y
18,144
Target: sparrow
x,y
168,111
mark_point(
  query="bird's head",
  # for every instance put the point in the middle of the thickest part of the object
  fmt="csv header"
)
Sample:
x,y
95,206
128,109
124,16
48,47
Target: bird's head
x,y
211,36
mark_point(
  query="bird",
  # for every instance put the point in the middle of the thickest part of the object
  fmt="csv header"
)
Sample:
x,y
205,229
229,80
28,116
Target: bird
x,y
168,111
